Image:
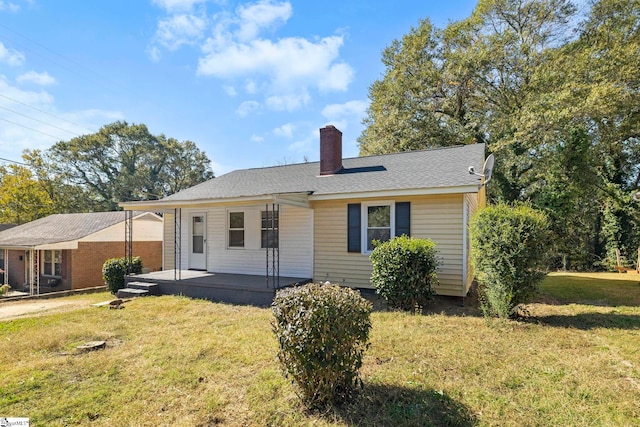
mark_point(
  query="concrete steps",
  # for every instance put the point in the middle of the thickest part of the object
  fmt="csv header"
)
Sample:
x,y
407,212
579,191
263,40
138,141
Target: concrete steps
x,y
139,289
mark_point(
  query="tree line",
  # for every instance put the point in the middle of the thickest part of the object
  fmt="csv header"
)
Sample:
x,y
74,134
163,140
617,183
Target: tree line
x,y
91,173
551,89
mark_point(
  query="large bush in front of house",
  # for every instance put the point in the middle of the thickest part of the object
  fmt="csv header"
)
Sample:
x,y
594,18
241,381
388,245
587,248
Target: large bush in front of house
x,y
508,253
115,269
322,332
404,271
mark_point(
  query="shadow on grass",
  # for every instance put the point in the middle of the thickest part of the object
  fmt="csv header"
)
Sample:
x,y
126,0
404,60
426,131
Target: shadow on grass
x,y
446,305
385,405
586,321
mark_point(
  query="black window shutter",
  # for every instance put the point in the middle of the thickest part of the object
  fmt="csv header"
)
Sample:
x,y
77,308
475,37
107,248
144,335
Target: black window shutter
x,y
403,218
353,227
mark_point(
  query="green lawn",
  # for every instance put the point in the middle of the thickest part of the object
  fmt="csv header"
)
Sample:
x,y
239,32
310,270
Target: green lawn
x,y
176,361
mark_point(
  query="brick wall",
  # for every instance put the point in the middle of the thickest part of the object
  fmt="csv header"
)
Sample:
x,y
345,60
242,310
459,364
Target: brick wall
x,y
87,260
16,268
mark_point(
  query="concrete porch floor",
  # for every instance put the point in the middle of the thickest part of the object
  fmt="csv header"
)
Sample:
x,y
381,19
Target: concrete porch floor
x,y
225,287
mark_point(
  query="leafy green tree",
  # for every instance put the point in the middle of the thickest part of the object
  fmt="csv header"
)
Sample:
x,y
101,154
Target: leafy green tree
x,y
125,162
558,108
22,198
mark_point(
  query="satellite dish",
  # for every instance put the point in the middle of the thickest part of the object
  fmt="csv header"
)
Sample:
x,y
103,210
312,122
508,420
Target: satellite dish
x,y
636,196
487,169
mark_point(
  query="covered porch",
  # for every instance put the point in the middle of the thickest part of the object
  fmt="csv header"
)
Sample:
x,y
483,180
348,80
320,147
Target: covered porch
x,y
237,251
225,287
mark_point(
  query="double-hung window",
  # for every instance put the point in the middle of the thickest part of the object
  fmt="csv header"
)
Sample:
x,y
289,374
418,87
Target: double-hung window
x,y
269,229
236,229
377,224
52,263
371,221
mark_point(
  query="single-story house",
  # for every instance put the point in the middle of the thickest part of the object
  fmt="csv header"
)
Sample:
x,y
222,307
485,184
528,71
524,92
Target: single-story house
x,y
67,251
317,220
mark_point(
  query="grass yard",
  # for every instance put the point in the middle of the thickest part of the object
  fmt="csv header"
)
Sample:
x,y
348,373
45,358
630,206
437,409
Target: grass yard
x,y
176,361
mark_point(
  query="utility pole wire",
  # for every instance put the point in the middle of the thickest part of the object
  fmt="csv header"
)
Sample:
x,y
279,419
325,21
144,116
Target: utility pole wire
x,y
47,113
35,130
40,121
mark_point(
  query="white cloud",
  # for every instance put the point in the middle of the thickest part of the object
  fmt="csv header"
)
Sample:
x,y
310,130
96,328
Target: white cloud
x,y
287,61
306,143
350,109
177,5
42,79
288,102
247,107
251,86
9,6
10,56
263,14
240,48
178,30
257,138
231,91
285,131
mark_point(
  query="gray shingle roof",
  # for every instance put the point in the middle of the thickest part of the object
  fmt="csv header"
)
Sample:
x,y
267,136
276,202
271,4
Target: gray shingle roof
x,y
444,167
60,228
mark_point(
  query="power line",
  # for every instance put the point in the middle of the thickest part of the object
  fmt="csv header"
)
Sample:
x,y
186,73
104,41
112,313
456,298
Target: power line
x,y
75,64
40,121
13,161
35,130
47,113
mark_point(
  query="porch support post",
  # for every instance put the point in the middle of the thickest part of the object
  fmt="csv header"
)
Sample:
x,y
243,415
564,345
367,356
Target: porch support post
x,y
6,267
177,244
128,240
272,248
36,260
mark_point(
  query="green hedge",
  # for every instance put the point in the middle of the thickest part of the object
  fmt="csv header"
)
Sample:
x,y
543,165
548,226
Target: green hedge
x,y
508,252
322,332
115,269
404,272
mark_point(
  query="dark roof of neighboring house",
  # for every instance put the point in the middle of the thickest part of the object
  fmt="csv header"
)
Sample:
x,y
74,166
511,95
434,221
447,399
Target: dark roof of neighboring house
x,y
60,228
443,167
6,226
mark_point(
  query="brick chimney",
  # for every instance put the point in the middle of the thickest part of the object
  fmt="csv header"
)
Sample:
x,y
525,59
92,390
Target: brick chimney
x,y
330,150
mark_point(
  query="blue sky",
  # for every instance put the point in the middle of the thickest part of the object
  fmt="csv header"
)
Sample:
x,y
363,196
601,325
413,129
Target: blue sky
x,y
249,82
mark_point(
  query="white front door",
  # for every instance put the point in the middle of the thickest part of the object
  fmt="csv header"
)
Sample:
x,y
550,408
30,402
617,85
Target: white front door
x,y
198,241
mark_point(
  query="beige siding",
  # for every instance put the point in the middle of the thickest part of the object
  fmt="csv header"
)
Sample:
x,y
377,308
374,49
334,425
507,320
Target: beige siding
x,y
147,228
438,217
470,206
168,255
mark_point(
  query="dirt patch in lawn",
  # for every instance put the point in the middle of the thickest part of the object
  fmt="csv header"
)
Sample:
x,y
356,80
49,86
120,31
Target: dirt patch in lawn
x,y
11,310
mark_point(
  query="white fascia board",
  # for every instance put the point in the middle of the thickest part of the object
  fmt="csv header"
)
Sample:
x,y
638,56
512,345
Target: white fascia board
x,y
17,248
397,193
161,205
72,244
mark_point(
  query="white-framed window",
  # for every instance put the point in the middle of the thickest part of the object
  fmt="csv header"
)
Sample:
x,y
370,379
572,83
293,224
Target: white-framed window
x,y
269,225
1,259
236,230
377,223
52,263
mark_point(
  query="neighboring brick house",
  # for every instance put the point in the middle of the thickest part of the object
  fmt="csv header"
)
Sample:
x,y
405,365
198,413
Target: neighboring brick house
x,y
67,251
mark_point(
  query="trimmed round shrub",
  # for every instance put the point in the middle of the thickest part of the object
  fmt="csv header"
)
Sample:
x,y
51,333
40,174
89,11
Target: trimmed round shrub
x,y
322,332
404,272
115,269
508,253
